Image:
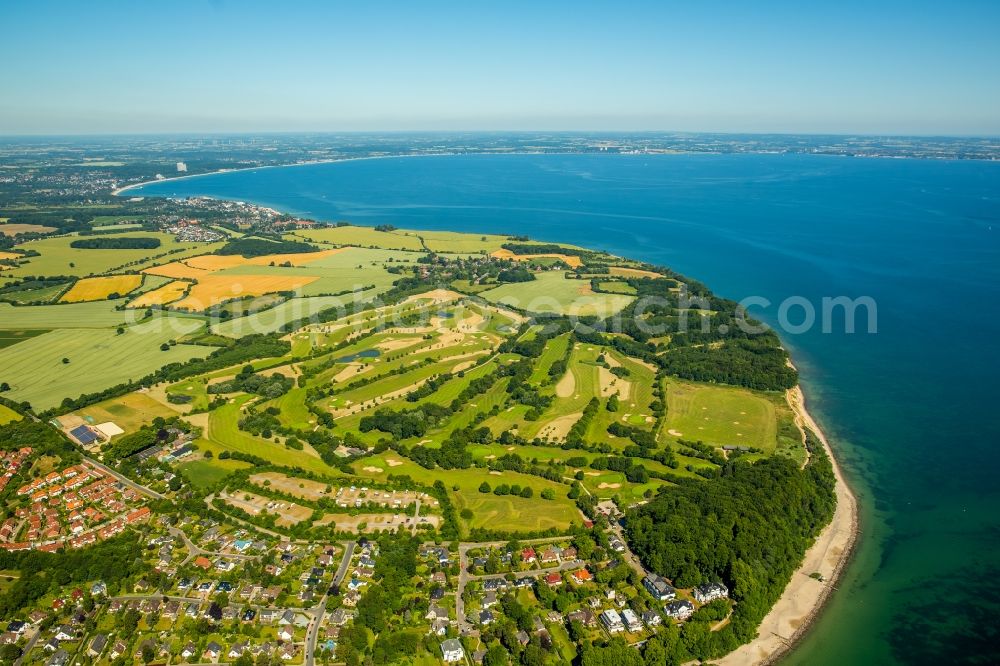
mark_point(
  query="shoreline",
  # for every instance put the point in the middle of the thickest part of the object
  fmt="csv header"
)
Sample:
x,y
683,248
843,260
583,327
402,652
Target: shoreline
x,y
117,192
804,598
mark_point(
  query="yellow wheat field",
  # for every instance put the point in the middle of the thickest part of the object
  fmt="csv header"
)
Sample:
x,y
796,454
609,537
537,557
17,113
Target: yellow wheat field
x,y
99,288
567,259
213,289
194,268
168,293
621,271
177,270
9,255
218,262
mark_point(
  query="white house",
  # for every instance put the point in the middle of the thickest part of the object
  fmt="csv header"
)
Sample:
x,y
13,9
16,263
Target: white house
x,y
452,651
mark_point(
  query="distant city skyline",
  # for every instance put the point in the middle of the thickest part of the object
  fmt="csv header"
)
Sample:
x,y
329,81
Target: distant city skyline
x,y
903,68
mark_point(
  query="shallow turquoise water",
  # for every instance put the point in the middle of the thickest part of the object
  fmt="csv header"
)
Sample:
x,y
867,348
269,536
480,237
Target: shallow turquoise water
x,y
911,409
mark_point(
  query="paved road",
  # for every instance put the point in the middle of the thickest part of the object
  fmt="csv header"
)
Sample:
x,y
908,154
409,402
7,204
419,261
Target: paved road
x,y
628,555
148,492
194,550
30,644
319,610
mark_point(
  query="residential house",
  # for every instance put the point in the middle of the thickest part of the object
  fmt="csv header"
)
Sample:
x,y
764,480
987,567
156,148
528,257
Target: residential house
x,y
118,649
631,620
60,658
681,609
97,645
612,622
710,592
584,616
212,651
651,619
659,588
452,651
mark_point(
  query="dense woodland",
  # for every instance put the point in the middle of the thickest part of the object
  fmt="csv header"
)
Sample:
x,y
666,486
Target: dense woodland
x,y
259,247
748,528
117,243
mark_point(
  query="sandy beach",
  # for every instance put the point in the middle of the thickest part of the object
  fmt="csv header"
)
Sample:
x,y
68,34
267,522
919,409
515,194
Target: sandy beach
x,y
803,599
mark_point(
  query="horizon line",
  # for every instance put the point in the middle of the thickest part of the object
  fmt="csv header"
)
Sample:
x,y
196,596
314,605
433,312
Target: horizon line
x,y
209,133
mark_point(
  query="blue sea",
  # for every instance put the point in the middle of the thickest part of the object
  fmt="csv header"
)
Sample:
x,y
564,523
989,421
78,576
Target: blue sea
x,y
910,408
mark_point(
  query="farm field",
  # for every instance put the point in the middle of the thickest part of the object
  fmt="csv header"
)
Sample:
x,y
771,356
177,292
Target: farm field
x,y
41,295
98,314
362,237
100,288
58,258
8,338
551,292
97,359
13,228
272,319
7,415
213,289
163,295
347,270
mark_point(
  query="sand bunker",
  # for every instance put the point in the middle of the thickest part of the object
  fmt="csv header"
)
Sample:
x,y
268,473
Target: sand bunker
x,y
560,427
566,385
373,469
612,486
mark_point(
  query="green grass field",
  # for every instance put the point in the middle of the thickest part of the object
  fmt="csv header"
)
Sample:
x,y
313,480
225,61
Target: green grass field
x,y
552,292
451,241
130,411
363,237
7,415
617,287
223,433
719,415
206,473
98,359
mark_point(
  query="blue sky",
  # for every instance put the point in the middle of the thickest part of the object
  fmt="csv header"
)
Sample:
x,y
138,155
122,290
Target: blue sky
x,y
199,66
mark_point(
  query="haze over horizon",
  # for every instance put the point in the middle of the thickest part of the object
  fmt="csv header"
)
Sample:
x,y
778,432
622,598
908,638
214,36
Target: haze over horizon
x,y
204,67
